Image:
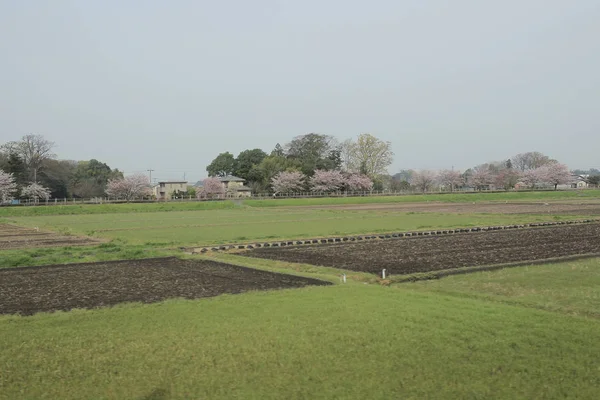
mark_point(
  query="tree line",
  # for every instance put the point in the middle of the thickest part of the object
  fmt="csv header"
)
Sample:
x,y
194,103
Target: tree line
x,y
307,155
525,170
29,169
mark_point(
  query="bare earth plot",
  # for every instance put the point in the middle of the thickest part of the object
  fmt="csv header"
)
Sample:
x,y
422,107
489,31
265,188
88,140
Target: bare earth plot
x,y
17,237
562,208
64,287
433,253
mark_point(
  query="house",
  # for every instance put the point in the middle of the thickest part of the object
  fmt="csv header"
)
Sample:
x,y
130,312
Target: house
x,y
580,182
165,190
234,186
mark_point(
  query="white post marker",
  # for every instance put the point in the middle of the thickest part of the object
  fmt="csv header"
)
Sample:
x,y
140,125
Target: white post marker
x,y
344,278
383,274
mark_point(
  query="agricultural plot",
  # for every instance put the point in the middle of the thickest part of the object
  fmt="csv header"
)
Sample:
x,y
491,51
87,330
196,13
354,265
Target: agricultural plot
x,y
64,287
251,224
434,253
17,237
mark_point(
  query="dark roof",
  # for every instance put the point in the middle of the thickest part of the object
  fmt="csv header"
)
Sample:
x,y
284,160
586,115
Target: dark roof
x,y
199,184
231,178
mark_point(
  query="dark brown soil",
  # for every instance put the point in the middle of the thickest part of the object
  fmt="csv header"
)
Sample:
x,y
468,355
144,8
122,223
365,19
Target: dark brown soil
x,y
17,237
434,253
63,287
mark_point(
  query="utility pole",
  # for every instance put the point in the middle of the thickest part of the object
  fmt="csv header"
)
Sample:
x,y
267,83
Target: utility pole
x,y
150,171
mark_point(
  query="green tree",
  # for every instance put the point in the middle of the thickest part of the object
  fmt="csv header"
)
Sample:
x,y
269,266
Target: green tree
x,y
222,165
15,165
271,166
314,151
278,151
56,176
90,178
247,160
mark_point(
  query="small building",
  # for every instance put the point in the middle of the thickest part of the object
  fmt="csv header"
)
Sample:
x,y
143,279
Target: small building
x,y
165,190
234,186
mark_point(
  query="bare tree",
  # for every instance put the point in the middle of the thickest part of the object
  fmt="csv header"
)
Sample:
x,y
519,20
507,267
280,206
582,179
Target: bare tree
x,y
450,179
33,150
530,160
423,180
368,155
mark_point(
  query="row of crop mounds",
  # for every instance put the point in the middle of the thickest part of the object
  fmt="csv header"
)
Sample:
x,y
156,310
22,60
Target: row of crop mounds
x,y
63,287
434,253
18,237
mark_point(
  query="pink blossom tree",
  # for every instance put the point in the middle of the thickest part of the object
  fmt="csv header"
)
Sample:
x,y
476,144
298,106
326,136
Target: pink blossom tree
x,y
555,174
423,180
480,178
358,183
532,177
327,181
450,179
288,182
212,187
507,178
7,186
129,188
36,192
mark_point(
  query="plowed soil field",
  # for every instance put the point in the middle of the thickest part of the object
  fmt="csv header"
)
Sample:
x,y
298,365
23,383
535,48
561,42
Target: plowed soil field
x,y
17,237
63,287
434,253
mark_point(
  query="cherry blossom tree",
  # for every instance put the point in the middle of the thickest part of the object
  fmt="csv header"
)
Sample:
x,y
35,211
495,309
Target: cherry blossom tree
x,y
450,179
507,178
532,177
481,177
423,180
7,186
36,192
358,183
555,174
288,182
327,181
212,187
129,188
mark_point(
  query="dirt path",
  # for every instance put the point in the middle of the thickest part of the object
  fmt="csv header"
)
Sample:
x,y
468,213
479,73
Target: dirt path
x,y
557,208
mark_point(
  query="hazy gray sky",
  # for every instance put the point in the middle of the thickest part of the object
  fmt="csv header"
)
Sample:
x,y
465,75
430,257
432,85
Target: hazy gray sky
x,y
169,84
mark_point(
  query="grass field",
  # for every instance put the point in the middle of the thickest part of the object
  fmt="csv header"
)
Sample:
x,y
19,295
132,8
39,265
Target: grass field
x,y
570,287
252,224
352,341
525,332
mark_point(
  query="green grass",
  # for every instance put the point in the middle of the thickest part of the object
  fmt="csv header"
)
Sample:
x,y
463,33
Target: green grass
x,y
570,287
115,250
524,332
76,209
252,224
353,342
